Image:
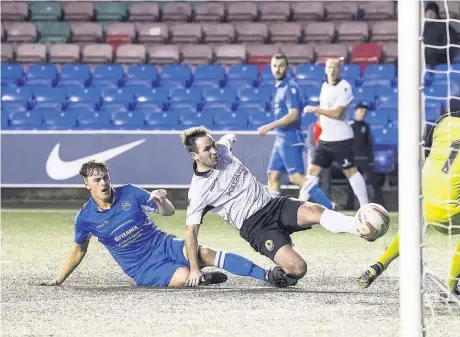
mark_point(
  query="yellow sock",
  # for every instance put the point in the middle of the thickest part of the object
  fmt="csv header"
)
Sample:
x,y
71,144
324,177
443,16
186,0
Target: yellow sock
x,y
454,274
391,253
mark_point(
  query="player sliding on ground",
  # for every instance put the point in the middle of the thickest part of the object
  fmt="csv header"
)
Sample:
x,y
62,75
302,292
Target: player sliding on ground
x,y
222,184
441,197
118,218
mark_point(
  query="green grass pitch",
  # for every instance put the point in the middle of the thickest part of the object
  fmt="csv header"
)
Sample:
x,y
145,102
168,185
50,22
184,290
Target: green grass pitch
x,y
99,300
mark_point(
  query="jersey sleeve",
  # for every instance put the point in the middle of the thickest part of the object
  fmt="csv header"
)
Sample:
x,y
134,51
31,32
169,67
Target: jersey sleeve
x,y
143,197
346,96
81,233
196,209
293,98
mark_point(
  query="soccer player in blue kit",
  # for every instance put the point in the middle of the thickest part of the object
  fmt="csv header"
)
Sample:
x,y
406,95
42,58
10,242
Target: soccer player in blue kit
x,y
117,216
287,153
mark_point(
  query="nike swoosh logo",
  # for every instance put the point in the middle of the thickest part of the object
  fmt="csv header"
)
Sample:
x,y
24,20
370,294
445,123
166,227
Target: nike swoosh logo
x,y
58,169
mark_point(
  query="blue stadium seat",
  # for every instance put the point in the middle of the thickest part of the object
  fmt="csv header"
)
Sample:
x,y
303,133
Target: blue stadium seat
x,y
351,73
188,119
58,120
209,76
379,74
42,74
118,97
5,118
16,96
230,121
392,113
25,120
246,74
220,97
428,77
388,136
307,91
385,159
257,117
379,117
108,75
310,74
50,98
167,120
179,108
193,96
142,75
433,103
453,73
431,114
78,75
89,120
127,120
83,97
308,119
150,97
365,94
176,75
254,97
150,108
387,98
12,74
239,83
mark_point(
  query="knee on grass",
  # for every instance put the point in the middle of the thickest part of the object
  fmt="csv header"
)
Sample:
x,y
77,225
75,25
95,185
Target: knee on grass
x,y
309,213
296,270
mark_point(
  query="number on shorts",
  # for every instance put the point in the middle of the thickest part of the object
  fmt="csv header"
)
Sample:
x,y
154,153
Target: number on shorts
x,y
454,149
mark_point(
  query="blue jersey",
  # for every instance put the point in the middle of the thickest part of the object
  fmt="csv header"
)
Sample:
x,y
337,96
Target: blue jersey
x,y
287,96
125,229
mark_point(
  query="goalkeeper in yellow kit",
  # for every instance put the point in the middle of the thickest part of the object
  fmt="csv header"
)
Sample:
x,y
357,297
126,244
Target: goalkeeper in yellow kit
x,y
441,196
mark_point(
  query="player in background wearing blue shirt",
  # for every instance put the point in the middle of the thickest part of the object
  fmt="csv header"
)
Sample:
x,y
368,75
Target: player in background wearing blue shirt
x,y
117,216
287,153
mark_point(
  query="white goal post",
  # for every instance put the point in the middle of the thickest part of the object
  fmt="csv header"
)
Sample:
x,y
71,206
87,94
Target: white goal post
x,y
410,162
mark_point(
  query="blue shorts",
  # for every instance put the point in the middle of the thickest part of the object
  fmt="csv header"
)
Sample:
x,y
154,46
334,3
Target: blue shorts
x,y
287,158
163,263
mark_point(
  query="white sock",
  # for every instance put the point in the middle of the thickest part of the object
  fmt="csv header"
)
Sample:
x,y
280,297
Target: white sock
x,y
304,193
336,222
219,260
359,188
274,193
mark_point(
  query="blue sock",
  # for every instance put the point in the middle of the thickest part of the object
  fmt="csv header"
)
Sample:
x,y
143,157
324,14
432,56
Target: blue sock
x,y
238,265
320,197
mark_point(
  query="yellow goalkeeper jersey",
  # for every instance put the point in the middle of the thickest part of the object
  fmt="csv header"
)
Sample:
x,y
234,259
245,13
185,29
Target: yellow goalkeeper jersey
x,y
441,172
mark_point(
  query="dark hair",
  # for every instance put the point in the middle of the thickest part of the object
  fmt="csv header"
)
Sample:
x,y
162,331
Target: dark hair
x,y
280,56
362,106
189,136
432,6
93,167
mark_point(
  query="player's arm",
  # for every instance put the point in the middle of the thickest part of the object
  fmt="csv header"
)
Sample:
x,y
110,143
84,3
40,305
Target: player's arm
x,y
165,206
331,113
228,140
345,97
191,247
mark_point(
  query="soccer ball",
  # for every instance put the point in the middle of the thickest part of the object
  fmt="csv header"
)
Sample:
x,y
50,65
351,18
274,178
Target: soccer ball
x,y
372,221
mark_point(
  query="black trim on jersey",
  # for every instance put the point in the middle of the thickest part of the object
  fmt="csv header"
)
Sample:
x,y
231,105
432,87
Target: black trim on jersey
x,y
206,210
338,81
200,174
429,135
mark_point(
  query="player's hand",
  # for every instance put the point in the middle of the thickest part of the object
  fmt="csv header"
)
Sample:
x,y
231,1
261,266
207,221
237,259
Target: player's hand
x,y
194,278
49,283
230,137
159,196
263,130
310,109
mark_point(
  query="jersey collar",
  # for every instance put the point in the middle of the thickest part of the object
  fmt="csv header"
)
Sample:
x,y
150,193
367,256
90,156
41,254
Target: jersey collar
x,y
96,207
338,81
282,83
200,174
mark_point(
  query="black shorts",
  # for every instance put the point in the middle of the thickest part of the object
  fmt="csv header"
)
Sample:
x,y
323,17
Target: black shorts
x,y
270,228
340,152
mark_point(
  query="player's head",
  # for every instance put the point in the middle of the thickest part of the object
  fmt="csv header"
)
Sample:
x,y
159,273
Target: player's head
x,y
332,70
96,178
279,65
361,111
201,146
432,10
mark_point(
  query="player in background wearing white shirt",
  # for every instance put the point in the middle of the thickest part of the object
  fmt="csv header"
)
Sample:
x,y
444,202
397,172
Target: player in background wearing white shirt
x,y
336,140
223,185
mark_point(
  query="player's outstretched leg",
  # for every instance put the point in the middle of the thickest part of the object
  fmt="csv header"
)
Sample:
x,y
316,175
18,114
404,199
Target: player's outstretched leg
x,y
374,271
358,185
311,188
454,276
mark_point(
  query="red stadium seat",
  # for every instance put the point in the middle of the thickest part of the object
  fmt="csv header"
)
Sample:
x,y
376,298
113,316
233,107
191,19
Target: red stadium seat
x,y
364,54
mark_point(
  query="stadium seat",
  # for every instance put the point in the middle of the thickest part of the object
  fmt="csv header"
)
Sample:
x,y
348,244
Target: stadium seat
x,y
379,74
89,120
380,117
42,74
166,120
452,73
189,119
78,75
254,96
111,11
118,96
64,53
52,98
142,75
365,94
220,97
186,96
387,98
83,98
392,113
127,120
230,121
53,32
78,11
58,120
45,10
307,120
307,91
365,54
16,96
108,75
351,73
385,159
310,74
431,114
257,117
246,73
25,120
12,74
151,97
176,75
209,76
388,136
210,11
